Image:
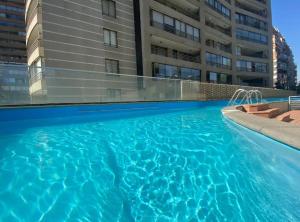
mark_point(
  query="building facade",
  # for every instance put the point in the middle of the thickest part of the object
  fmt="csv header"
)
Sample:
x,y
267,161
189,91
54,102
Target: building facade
x,y
12,31
217,41
82,35
285,69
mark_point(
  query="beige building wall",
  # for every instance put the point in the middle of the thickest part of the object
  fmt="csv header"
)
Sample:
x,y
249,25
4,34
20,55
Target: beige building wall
x,y
69,34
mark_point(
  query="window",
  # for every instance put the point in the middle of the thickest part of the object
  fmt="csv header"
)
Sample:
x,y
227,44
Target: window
x,y
110,38
248,66
190,74
218,61
169,71
109,8
219,7
250,21
174,26
111,66
157,50
219,78
157,17
251,36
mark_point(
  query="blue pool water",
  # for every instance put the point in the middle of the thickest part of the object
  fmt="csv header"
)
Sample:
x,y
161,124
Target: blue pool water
x,y
147,162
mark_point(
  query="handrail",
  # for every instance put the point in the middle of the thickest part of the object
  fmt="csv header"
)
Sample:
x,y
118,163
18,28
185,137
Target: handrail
x,y
294,102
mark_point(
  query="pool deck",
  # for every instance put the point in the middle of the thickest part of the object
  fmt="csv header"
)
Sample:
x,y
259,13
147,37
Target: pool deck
x,y
287,133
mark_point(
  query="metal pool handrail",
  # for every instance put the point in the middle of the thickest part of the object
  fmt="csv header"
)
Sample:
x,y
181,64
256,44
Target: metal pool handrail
x,y
247,98
294,102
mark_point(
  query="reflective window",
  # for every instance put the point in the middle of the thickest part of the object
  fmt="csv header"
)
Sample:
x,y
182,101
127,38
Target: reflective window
x,y
110,38
248,66
174,26
219,78
170,71
218,60
109,8
251,36
111,66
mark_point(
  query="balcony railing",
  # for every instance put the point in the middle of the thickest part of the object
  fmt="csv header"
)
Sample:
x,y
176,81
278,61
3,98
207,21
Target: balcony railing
x,y
252,69
219,46
262,13
218,65
173,30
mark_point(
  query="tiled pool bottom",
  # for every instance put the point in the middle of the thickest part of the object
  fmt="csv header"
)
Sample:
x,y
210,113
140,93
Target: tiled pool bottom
x,y
188,165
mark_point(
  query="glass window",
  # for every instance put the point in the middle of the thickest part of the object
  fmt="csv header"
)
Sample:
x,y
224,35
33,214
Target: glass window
x,y
196,34
157,17
110,38
111,66
190,32
168,20
171,71
109,8
178,26
213,77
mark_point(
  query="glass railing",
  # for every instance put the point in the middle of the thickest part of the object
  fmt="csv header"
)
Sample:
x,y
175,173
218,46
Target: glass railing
x,y
20,85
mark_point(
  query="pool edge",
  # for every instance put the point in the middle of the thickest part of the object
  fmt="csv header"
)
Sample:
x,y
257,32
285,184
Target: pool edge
x,y
284,133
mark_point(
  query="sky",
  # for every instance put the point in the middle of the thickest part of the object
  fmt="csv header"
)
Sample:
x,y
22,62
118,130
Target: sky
x,y
286,17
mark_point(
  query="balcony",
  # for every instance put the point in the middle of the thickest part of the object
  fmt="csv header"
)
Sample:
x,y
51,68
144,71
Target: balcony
x,y
176,54
174,26
192,12
251,53
251,22
219,8
218,65
249,8
219,46
226,31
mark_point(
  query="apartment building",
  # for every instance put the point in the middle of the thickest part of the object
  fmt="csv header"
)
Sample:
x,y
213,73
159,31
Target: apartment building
x,y
83,35
12,31
83,38
285,69
217,41
13,80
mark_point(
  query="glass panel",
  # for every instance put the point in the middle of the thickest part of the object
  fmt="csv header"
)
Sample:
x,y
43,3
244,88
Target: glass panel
x,y
223,78
171,71
213,77
196,34
105,7
157,17
113,40
106,37
190,32
112,9
169,21
162,70
186,73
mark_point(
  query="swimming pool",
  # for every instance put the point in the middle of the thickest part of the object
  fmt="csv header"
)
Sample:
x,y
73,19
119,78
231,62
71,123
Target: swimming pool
x,y
142,162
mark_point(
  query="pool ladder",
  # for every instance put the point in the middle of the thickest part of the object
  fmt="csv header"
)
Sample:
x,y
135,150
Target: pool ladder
x,y
243,96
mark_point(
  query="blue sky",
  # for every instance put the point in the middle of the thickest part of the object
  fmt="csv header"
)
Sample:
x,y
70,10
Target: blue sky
x,y
286,17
